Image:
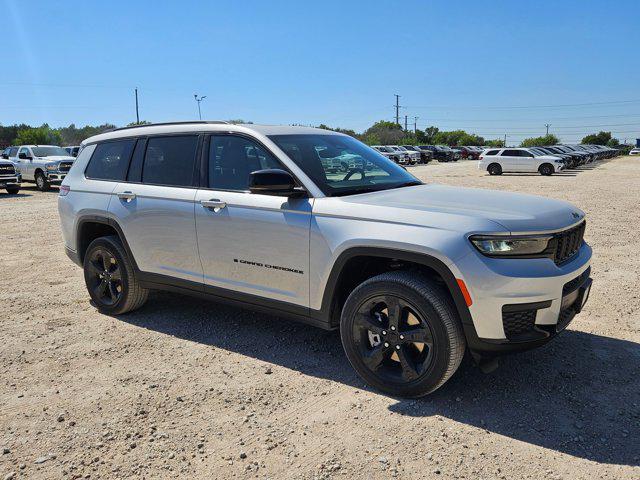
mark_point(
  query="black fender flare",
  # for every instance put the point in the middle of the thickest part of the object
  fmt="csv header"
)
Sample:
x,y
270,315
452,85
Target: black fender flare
x,y
104,221
419,258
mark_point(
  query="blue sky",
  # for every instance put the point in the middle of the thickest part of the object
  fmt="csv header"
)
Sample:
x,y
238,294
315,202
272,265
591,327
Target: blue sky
x,y
463,64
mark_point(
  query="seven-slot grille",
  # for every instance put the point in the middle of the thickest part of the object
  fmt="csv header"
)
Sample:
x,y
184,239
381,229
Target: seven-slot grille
x,y
65,166
568,243
7,170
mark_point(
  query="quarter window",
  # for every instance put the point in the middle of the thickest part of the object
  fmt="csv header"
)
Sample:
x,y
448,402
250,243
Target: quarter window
x,y
492,152
170,161
110,160
233,158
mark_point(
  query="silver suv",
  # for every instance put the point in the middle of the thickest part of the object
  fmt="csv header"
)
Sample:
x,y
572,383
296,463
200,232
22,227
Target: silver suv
x,y
412,274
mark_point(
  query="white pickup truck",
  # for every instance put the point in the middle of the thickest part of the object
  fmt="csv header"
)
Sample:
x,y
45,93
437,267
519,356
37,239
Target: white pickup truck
x,y
45,165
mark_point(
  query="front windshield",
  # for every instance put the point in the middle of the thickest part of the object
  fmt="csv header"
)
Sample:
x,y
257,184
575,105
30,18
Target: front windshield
x,y
341,165
49,151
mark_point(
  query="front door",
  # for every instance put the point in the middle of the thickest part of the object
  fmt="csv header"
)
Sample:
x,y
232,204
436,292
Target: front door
x,y
250,243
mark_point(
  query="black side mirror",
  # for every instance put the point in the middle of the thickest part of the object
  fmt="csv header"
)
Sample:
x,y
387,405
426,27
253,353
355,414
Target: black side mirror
x,y
23,156
272,181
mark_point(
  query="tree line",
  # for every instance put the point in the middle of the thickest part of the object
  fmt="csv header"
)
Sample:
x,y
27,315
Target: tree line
x,y
380,133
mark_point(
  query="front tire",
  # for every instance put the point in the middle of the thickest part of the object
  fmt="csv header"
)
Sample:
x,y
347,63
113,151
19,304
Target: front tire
x,y
42,183
402,334
13,190
110,277
546,169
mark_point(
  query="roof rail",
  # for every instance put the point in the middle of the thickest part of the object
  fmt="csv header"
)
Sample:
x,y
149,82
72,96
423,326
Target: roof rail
x,y
170,123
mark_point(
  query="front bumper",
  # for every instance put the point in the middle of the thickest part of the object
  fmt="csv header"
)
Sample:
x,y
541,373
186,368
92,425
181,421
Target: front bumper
x,y
10,181
520,304
55,177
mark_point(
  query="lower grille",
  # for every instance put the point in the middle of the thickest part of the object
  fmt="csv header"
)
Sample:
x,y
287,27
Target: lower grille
x,y
517,323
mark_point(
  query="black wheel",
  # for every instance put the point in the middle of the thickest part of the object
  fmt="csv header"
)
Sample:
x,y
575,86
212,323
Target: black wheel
x,y
13,190
545,169
402,334
494,169
42,183
110,277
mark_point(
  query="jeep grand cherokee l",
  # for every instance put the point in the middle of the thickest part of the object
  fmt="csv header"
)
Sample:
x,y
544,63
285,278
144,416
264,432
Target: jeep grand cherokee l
x,y
411,273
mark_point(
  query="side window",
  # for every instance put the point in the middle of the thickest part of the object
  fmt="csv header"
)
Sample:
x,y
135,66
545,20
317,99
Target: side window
x,y
110,160
492,152
233,158
170,160
510,153
25,151
13,152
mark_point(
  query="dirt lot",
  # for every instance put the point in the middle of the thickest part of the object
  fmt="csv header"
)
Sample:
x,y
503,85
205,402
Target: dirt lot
x,y
186,388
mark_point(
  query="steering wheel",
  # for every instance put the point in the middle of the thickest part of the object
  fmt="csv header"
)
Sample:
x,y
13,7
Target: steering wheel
x,y
352,171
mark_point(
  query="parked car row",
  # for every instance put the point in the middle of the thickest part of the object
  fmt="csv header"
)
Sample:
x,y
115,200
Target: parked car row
x,y
44,165
544,160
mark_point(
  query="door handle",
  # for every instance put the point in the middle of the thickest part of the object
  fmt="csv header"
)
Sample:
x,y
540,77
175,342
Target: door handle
x,y
128,196
214,204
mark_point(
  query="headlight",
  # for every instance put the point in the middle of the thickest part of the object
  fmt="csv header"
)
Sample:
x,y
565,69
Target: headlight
x,y
510,246
52,166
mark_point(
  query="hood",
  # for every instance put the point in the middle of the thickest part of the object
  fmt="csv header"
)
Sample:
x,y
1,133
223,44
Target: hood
x,y
458,208
57,158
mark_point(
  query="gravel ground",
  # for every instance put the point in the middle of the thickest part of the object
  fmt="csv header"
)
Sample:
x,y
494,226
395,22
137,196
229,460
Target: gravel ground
x,y
186,388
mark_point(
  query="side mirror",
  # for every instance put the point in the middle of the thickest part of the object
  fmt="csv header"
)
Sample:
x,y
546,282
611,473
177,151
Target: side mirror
x,y
22,156
272,181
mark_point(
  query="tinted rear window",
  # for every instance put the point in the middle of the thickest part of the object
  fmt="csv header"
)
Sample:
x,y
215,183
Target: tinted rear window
x,y
170,160
110,160
492,152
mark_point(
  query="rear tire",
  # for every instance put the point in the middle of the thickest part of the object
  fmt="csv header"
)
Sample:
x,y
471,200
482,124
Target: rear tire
x,y
546,169
111,278
494,169
42,183
402,334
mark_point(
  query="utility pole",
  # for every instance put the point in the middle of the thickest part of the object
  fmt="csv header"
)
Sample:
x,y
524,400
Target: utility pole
x,y
547,125
397,109
195,95
405,123
505,140
415,125
137,113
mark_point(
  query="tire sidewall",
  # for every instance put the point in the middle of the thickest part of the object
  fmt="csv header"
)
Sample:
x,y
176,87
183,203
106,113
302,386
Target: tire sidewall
x,y
430,379
107,244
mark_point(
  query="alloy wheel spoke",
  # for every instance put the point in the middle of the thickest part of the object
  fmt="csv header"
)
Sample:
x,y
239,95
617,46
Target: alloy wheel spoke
x,y
394,311
100,289
106,261
112,291
419,334
94,268
374,358
409,370
116,274
368,322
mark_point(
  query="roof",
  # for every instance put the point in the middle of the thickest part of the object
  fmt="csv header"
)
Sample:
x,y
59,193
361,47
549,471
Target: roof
x,y
205,126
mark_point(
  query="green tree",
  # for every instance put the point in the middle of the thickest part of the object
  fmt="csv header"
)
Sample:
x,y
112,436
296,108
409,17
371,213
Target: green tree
x,y
614,142
494,143
429,135
388,133
38,136
540,141
600,138
457,138
141,122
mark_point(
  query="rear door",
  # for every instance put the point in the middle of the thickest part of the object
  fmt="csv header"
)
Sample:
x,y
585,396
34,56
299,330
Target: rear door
x,y
250,243
510,160
155,207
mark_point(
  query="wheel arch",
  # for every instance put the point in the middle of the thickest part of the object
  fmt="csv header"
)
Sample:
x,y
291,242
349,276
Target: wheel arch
x,y
367,261
90,227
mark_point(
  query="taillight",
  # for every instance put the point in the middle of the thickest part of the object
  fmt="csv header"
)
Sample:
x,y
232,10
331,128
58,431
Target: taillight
x,y
64,190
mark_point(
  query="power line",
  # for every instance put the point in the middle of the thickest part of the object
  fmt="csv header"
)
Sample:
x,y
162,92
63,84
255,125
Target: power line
x,y
489,107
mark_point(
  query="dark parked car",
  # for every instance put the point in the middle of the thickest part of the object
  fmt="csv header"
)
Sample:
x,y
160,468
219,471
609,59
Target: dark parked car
x,y
425,155
440,152
468,153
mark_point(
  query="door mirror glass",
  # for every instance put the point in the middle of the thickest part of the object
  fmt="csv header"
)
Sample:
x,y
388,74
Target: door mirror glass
x,y
272,181
23,156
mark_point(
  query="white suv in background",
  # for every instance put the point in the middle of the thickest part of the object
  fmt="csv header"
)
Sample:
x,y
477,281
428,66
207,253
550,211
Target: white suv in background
x,y
520,160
